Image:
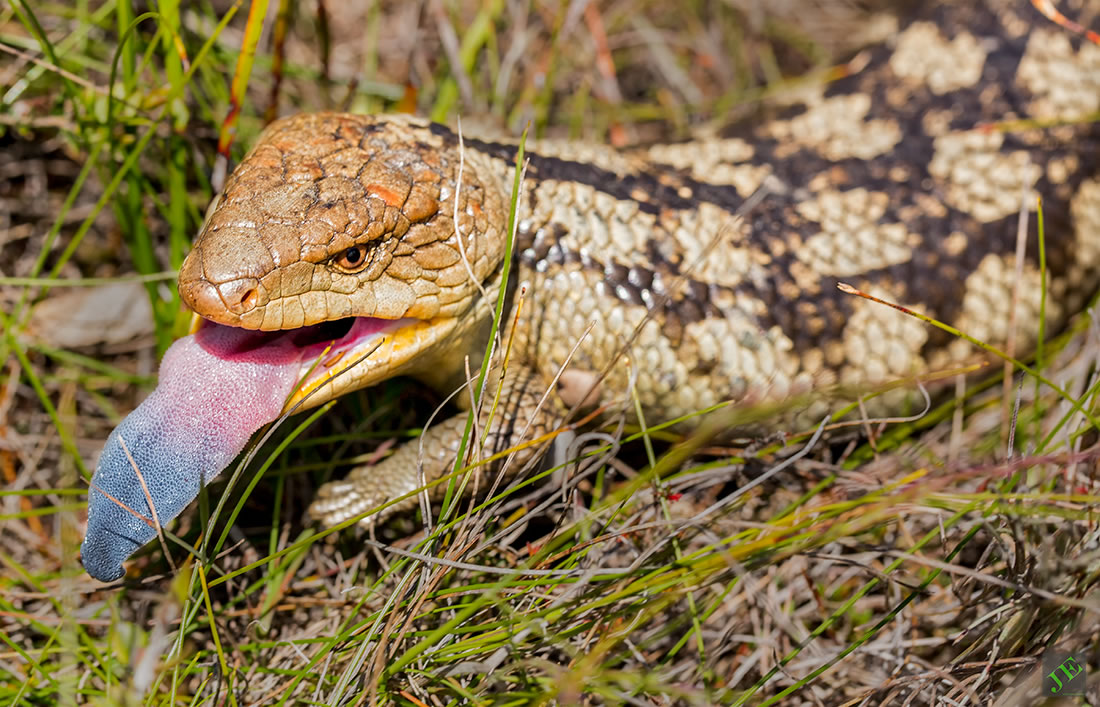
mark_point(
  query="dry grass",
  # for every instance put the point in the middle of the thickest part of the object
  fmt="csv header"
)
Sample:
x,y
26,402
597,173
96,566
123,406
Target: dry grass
x,y
928,564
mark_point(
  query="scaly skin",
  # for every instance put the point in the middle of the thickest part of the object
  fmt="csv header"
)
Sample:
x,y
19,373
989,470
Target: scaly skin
x,y
880,180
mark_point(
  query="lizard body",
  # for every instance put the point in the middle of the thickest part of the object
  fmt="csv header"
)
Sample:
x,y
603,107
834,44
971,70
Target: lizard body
x,y
686,274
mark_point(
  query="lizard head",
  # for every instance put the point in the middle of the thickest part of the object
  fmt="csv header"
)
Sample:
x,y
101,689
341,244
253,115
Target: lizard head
x,y
343,224
342,251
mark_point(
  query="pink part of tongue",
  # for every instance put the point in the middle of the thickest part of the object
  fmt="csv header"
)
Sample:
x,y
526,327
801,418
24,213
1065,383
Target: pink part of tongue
x,y
219,386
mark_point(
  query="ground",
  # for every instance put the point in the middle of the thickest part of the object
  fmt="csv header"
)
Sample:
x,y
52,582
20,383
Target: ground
x,y
924,561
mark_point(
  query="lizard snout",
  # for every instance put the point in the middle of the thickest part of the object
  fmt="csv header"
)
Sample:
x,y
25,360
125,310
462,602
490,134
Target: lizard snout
x,y
222,284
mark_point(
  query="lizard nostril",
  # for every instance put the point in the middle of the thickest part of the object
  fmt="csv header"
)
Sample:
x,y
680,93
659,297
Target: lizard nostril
x,y
236,298
248,299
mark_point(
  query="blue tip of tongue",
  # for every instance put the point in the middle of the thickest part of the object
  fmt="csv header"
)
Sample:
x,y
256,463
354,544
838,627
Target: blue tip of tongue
x,y
216,388
120,524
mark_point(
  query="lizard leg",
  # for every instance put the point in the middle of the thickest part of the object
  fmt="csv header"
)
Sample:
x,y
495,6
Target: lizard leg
x,y
521,415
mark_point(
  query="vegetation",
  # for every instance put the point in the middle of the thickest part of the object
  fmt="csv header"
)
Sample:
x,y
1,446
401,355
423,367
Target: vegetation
x,y
926,560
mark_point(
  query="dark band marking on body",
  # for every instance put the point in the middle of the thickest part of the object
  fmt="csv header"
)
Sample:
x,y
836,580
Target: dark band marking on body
x,y
660,189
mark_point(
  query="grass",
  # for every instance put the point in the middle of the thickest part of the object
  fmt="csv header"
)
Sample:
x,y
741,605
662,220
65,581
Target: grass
x,y
926,561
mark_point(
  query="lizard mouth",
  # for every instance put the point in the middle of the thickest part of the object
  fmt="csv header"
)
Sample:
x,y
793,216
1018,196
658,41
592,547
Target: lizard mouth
x,y
324,351
216,388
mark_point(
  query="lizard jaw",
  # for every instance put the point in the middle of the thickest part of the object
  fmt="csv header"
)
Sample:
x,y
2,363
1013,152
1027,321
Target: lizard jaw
x,y
372,350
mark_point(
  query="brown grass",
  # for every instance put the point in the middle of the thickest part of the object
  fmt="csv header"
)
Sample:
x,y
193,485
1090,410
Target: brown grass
x,y
924,565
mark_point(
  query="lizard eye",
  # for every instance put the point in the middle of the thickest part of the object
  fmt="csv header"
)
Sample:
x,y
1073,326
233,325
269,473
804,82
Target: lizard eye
x,y
351,260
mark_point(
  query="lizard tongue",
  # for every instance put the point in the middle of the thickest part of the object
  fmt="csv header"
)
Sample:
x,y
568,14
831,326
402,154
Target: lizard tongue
x,y
216,388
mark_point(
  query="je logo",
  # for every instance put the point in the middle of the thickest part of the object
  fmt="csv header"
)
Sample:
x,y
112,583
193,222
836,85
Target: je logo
x,y
1063,673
